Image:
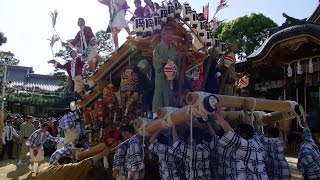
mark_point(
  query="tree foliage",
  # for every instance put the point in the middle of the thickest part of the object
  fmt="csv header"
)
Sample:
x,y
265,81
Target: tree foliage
x,y
106,45
64,53
3,39
8,58
247,32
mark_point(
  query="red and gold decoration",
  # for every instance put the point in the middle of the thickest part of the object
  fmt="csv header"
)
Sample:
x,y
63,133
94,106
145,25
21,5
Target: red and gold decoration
x,y
112,138
132,97
197,78
243,82
87,115
229,59
170,70
129,80
99,110
109,98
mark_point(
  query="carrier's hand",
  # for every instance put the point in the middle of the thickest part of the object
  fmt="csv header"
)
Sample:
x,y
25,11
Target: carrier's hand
x,y
35,152
52,61
65,44
217,113
245,105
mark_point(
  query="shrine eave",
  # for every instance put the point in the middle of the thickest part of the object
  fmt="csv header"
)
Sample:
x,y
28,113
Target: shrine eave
x,y
291,35
315,17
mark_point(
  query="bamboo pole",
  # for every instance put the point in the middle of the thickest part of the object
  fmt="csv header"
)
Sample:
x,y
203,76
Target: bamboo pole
x,y
4,81
253,103
90,152
3,116
161,112
181,116
267,118
200,101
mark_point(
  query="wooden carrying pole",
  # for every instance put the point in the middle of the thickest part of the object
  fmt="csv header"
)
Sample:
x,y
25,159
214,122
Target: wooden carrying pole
x,y
203,103
93,151
182,116
176,116
236,102
267,118
2,120
90,152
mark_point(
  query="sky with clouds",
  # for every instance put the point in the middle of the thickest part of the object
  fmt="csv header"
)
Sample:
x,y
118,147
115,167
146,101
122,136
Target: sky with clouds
x,y
27,24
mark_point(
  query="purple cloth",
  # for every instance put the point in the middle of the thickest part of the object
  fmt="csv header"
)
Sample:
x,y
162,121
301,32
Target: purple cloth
x,y
137,13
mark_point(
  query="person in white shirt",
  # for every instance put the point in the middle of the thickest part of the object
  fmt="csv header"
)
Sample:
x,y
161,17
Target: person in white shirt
x,y
7,139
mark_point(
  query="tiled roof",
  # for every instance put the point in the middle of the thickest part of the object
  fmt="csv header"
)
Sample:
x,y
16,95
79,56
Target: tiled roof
x,y
24,77
311,30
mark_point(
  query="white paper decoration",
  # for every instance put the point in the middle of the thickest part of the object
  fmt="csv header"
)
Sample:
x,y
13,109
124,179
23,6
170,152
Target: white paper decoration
x,y
299,69
148,26
310,66
289,69
201,28
186,11
177,7
193,19
170,10
139,26
156,23
209,38
163,13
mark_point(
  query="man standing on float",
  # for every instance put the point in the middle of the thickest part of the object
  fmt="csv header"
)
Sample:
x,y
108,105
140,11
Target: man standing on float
x,y
163,52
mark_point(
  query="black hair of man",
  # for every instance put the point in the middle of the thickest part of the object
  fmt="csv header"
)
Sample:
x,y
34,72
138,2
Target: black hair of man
x,y
45,124
206,137
128,128
247,130
164,139
64,160
71,52
81,19
220,132
197,134
66,110
137,1
273,132
166,29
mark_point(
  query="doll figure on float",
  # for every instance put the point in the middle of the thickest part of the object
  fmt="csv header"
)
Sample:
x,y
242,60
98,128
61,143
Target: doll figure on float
x,y
146,86
211,71
163,52
228,76
128,88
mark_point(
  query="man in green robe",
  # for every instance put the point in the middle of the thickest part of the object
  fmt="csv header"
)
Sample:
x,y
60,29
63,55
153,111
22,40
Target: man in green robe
x,y
164,51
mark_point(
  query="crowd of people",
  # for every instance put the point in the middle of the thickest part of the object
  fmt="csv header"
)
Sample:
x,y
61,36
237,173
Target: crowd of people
x,y
216,151
213,150
30,133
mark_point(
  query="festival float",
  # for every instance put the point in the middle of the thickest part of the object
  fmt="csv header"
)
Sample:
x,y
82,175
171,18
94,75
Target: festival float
x,y
124,86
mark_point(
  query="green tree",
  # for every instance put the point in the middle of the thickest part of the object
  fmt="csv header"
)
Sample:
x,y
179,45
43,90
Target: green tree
x,y
3,39
247,32
8,58
220,27
106,45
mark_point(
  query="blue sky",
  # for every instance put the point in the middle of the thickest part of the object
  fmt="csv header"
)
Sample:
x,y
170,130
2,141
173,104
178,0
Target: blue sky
x,y
27,24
